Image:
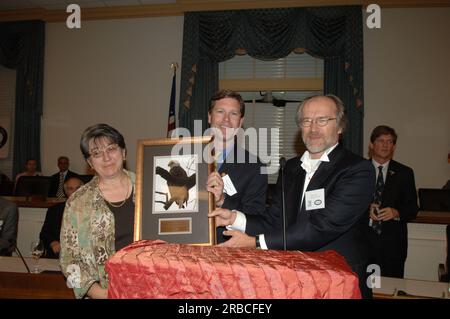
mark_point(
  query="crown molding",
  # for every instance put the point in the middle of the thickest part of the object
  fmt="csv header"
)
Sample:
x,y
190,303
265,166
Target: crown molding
x,y
182,6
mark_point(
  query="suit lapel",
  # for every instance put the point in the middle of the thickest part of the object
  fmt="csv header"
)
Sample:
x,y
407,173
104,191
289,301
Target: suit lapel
x,y
298,182
230,160
390,178
325,169
320,176
301,180
301,204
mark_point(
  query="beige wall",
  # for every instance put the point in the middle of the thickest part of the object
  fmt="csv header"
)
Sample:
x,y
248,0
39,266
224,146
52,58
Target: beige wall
x,y
116,72
407,86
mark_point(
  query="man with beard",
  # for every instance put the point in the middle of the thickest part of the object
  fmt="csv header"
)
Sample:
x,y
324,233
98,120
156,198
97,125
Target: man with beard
x,y
327,193
238,183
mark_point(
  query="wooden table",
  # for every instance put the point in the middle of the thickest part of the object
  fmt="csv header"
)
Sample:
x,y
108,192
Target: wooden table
x,y
32,213
397,288
33,201
429,217
17,283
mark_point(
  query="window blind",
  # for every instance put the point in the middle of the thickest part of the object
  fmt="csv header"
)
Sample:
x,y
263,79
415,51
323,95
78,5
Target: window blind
x,y
278,134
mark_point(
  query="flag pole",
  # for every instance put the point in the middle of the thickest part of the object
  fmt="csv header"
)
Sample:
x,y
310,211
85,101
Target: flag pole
x,y
174,67
171,125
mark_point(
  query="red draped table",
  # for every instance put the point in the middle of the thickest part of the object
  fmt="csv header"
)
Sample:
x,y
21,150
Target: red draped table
x,y
155,269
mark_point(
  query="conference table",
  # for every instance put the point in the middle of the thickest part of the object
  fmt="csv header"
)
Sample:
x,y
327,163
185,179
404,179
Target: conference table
x,y
17,283
432,217
398,288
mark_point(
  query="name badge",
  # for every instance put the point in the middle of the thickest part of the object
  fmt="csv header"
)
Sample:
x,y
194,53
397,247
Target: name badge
x,y
315,199
228,186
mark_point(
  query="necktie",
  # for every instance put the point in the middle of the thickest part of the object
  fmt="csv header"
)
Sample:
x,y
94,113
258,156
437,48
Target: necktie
x,y
60,192
219,158
377,198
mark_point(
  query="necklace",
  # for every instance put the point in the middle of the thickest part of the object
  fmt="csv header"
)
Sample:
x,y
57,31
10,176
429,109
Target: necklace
x,y
112,204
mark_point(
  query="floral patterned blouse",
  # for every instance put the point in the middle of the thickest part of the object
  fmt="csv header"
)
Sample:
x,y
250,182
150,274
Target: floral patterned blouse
x,y
87,237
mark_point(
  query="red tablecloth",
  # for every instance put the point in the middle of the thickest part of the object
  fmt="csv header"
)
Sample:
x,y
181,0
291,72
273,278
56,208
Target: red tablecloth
x,y
155,269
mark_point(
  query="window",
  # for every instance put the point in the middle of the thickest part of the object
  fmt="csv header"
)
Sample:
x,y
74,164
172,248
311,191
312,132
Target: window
x,y
272,91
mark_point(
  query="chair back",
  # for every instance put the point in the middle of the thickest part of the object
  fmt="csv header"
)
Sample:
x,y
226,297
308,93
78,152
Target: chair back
x,y
33,186
434,199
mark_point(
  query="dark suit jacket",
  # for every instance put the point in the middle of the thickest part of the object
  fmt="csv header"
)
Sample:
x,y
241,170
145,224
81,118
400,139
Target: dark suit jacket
x,y
399,193
52,228
348,185
9,218
250,184
54,183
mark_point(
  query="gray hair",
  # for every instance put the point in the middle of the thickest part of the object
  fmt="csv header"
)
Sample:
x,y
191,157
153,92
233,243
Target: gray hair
x,y
341,118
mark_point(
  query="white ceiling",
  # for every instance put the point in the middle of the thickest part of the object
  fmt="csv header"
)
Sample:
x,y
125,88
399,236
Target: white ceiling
x,y
62,4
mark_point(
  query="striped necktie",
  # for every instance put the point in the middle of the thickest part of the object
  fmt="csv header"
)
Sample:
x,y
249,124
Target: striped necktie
x,y
377,198
60,192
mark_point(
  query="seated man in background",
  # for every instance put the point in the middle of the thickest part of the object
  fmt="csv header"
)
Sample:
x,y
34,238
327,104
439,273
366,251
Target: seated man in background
x,y
53,219
9,217
58,179
30,170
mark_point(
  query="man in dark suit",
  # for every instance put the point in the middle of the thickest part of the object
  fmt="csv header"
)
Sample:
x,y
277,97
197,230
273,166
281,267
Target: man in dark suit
x,y
394,204
238,182
327,193
9,218
57,182
52,225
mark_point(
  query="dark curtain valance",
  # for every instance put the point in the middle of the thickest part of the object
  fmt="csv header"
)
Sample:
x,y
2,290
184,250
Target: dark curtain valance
x,y
331,33
22,48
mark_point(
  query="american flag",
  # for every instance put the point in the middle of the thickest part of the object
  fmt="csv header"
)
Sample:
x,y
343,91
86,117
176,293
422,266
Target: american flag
x,y
171,121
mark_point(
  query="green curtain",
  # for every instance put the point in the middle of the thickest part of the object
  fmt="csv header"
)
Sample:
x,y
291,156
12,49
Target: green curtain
x,y
22,48
331,33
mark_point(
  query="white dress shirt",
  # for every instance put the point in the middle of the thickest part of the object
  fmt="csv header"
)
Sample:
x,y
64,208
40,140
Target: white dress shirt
x,y
384,170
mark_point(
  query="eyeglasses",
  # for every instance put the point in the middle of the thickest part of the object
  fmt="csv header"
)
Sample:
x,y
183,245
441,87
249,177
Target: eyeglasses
x,y
110,149
320,121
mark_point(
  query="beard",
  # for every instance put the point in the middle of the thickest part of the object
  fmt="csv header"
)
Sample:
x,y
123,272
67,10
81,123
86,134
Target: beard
x,y
317,143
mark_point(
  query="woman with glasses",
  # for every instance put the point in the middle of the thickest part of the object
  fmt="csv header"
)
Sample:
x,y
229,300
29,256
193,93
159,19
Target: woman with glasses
x,y
99,217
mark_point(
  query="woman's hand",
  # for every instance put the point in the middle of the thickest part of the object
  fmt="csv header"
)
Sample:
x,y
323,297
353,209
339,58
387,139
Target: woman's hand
x,y
97,292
